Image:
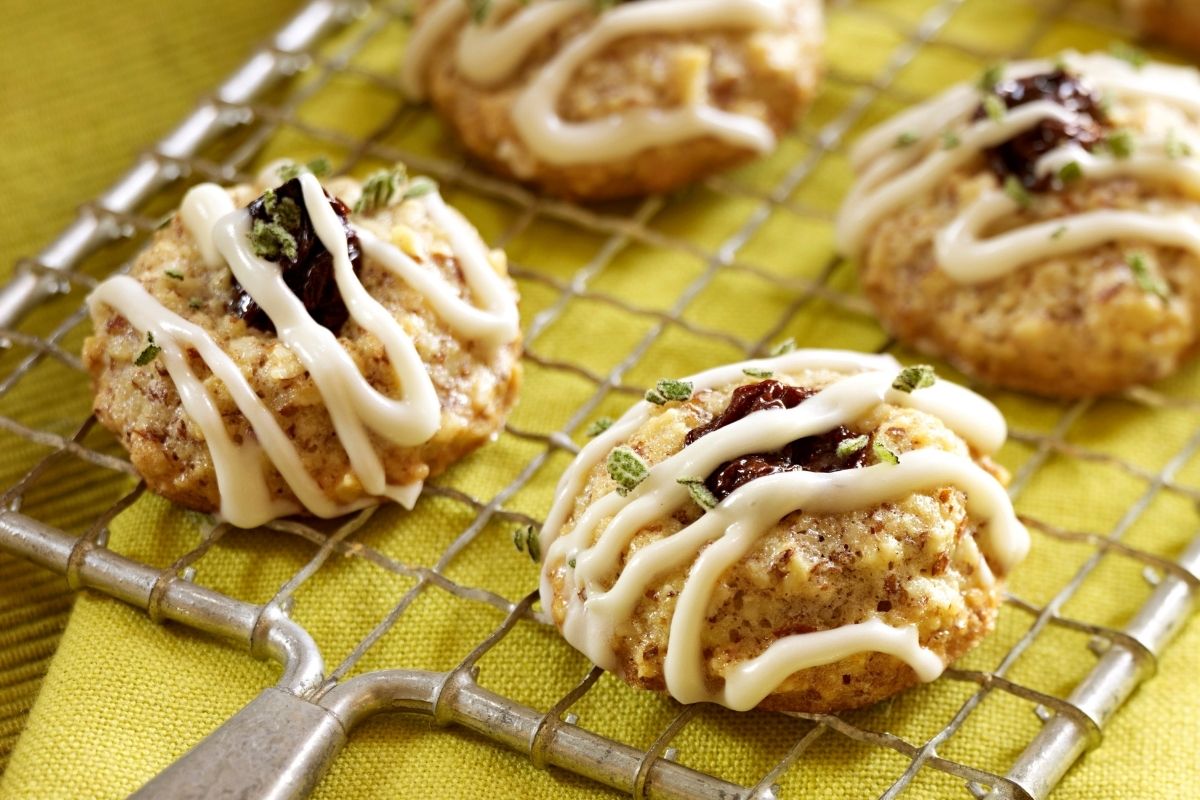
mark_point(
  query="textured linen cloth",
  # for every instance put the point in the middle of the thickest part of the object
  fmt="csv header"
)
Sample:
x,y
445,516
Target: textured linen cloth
x,y
74,80
84,89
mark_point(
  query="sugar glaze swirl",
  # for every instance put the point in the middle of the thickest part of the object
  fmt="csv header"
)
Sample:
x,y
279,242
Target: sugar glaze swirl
x,y
493,51
725,534
1162,103
356,409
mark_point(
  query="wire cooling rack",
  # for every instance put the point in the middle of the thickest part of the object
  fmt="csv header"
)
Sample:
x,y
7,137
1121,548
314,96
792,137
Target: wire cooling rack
x,y
1068,651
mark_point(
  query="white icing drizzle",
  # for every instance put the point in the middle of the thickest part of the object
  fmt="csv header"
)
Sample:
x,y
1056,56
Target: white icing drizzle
x,y
491,53
1165,103
355,408
726,533
202,206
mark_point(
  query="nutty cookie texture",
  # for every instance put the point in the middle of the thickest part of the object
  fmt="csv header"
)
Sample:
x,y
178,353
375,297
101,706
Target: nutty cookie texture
x,y
1041,229
814,540
290,346
596,101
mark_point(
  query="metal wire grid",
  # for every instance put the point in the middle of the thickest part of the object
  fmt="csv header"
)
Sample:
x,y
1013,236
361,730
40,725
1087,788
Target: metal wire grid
x,y
247,114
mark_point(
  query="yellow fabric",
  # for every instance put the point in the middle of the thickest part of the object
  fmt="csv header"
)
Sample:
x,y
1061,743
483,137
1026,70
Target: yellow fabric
x,y
33,612
124,698
83,86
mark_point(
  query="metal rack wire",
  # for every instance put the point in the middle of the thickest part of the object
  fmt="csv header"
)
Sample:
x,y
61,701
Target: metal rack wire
x,y
311,710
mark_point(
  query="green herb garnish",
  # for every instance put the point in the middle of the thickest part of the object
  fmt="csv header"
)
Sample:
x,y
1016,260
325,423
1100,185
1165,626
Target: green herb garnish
x,y
699,492
885,454
1145,274
270,240
318,166
906,139
1017,192
667,390
626,468
378,190
910,379
418,187
526,540
754,372
149,354
598,427
994,107
1175,148
1120,143
1070,172
991,77
1127,52
783,348
848,447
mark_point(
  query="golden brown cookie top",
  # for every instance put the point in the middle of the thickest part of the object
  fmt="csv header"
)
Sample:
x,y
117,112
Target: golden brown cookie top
x,y
1042,129
607,100
343,335
839,435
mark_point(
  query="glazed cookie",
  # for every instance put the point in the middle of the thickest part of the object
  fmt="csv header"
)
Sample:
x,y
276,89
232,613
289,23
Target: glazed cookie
x,y
1040,230
599,100
286,348
812,532
1173,21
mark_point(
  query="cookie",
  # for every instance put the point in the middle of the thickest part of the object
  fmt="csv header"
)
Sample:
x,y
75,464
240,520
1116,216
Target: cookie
x,y
1040,230
1176,22
595,101
287,348
813,532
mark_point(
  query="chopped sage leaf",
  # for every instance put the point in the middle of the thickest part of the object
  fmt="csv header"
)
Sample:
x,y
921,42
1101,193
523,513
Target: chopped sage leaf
x,y
378,190
699,492
1175,148
571,563
270,240
884,453
318,166
910,379
950,140
1059,232
149,354
174,275
525,539
1145,274
419,187
783,348
848,447
1070,171
1127,52
1120,143
287,214
906,139
1017,192
758,373
994,107
598,427
667,390
627,469
991,77
195,302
